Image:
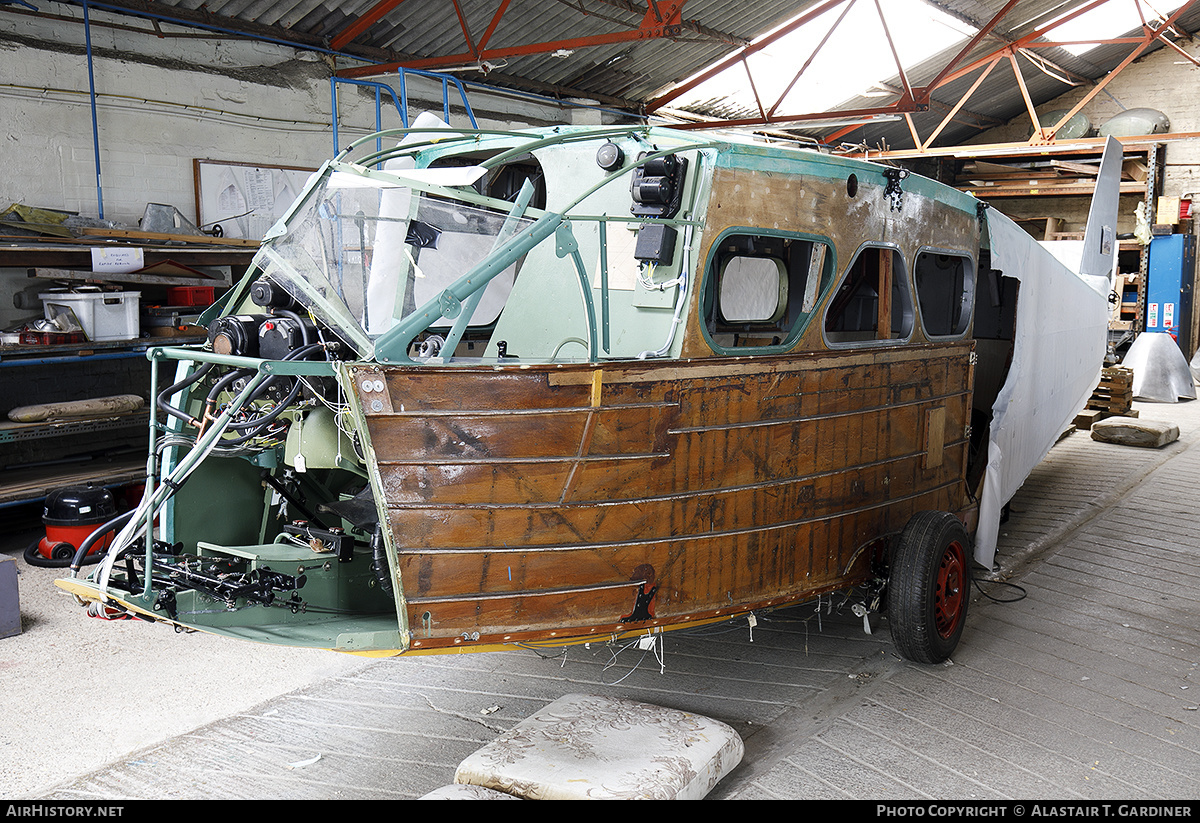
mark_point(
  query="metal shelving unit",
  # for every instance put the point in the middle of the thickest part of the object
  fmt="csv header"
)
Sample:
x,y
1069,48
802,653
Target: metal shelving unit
x,y
36,458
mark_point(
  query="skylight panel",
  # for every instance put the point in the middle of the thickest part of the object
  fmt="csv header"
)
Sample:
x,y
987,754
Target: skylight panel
x,y
851,63
1115,18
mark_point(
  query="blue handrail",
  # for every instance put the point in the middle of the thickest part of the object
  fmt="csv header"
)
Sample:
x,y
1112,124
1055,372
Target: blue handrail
x,y
400,102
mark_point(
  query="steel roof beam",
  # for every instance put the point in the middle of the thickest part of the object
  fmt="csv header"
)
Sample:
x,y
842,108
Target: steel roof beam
x,y
362,23
1149,36
919,99
811,57
887,34
983,32
898,108
948,74
661,20
962,102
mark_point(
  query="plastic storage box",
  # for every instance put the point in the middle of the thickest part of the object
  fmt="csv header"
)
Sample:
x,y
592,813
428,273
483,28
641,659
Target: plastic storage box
x,y
110,315
190,295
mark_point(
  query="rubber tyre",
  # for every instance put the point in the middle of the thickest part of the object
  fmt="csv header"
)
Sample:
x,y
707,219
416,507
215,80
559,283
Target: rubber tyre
x,y
929,587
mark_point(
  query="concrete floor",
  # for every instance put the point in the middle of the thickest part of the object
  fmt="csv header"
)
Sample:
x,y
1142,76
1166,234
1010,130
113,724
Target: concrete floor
x,y
1078,679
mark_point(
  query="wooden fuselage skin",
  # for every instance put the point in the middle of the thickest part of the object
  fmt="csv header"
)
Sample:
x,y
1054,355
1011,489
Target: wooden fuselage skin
x,y
545,502
640,436
486,389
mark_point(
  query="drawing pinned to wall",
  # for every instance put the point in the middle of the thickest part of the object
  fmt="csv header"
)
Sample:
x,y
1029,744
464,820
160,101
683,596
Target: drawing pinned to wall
x,y
245,199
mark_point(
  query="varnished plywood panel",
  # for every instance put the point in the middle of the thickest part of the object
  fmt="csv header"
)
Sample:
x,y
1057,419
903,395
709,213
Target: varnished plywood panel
x,y
731,485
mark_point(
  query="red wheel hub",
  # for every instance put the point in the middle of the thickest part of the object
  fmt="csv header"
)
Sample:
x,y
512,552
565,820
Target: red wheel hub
x,y
948,605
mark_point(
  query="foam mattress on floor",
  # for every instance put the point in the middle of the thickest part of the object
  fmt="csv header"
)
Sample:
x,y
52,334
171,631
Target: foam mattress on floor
x,y
587,746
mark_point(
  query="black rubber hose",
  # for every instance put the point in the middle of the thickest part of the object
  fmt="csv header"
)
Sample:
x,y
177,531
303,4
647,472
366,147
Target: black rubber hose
x,y
298,354
164,406
299,322
86,546
223,384
379,561
256,425
34,557
259,422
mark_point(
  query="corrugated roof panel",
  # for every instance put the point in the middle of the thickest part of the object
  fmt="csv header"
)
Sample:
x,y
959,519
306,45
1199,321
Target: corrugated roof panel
x,y
638,70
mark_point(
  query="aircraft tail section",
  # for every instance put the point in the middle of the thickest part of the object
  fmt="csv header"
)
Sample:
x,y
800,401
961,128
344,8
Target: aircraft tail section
x,y
1100,238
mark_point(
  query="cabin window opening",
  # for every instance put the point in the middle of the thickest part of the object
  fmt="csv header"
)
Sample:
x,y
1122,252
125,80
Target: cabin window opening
x,y
760,289
753,289
873,303
945,292
505,183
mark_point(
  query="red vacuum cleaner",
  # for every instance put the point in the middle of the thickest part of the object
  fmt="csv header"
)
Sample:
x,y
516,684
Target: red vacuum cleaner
x,y
70,515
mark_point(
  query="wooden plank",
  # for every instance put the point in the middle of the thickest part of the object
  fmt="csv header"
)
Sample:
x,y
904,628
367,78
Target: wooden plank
x,y
1065,168
975,167
190,239
1060,189
1012,176
1087,417
1135,169
935,436
479,529
77,276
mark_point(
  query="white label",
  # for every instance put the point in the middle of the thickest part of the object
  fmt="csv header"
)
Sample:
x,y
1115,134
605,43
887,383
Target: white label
x,y
117,260
1152,316
1168,315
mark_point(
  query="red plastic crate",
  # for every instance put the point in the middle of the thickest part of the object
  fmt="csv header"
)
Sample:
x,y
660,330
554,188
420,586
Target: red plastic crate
x,y
29,337
191,295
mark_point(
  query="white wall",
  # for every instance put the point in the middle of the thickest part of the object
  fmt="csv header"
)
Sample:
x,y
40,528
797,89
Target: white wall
x,y
163,101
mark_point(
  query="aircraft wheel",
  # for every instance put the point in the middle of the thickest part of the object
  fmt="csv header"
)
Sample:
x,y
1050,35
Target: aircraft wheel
x,y
930,586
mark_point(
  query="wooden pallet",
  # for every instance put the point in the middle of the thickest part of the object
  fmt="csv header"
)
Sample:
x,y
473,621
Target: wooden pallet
x,y
1113,397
